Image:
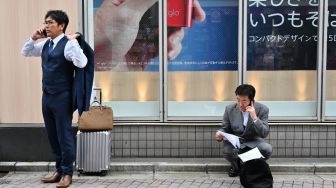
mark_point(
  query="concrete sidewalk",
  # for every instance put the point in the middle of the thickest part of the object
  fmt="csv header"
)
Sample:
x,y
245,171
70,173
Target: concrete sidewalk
x,y
167,180
207,165
175,172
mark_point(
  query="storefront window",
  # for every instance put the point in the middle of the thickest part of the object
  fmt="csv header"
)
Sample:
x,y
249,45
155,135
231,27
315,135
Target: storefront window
x,y
282,56
126,42
203,76
278,40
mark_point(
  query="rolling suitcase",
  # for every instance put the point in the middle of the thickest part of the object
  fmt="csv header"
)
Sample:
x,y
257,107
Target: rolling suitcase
x,y
93,152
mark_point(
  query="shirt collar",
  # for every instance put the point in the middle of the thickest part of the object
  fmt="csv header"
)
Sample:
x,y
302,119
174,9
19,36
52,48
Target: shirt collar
x,y
57,39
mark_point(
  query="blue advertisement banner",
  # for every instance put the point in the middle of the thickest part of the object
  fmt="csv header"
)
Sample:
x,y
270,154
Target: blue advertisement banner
x,y
212,44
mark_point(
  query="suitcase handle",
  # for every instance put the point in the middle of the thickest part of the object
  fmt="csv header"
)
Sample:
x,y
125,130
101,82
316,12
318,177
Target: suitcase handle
x,y
100,97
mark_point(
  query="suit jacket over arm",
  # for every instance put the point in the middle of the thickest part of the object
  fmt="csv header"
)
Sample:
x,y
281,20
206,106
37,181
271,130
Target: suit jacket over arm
x,y
83,79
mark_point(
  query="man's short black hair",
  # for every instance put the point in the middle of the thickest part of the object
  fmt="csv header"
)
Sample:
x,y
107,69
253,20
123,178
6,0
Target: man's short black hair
x,y
246,90
59,16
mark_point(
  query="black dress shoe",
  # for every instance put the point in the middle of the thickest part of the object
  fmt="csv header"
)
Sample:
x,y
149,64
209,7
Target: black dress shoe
x,y
233,173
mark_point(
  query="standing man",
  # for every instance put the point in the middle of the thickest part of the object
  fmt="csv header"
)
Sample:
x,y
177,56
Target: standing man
x,y
60,54
248,120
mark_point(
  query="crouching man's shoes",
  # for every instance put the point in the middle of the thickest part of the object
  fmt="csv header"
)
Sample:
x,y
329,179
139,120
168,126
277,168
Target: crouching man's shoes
x,y
233,172
56,177
65,181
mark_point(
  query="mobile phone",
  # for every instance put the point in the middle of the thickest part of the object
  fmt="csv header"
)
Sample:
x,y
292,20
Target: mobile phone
x,y
44,32
251,102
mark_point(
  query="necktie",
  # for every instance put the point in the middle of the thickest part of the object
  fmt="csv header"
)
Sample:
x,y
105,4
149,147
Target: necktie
x,y
51,46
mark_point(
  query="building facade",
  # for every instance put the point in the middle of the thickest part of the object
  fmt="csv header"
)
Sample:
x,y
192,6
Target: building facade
x,y
168,69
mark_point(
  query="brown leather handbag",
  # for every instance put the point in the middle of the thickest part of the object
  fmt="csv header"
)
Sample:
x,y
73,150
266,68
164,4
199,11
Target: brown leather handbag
x,y
98,118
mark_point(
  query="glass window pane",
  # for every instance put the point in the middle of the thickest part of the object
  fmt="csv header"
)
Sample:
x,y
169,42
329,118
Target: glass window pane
x,y
282,56
202,68
126,41
330,109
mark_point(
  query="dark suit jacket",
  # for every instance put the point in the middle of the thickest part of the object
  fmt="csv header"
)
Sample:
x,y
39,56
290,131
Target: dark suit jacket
x,y
83,80
253,133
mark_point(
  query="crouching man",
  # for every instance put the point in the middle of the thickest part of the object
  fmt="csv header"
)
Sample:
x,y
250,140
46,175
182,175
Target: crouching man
x,y
249,121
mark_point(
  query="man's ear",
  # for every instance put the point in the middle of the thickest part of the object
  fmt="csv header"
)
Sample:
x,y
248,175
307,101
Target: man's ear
x,y
62,26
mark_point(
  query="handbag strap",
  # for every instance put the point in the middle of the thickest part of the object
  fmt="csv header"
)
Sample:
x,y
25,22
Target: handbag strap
x,y
95,101
100,98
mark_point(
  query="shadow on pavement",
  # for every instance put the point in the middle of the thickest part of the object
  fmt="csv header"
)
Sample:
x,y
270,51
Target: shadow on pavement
x,y
2,174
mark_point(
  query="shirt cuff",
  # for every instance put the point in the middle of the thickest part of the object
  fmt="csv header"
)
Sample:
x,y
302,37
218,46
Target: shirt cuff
x,y
31,41
255,120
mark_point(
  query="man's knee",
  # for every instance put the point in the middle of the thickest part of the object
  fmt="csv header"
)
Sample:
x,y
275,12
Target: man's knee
x,y
265,149
230,153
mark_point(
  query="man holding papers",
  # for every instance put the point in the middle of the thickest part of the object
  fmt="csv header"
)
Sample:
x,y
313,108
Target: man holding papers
x,y
245,124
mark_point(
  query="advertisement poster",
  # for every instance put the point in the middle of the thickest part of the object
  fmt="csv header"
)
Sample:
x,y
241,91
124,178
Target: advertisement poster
x,y
212,44
126,35
282,35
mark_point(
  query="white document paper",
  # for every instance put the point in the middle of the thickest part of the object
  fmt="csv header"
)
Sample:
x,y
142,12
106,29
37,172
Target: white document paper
x,y
233,139
252,154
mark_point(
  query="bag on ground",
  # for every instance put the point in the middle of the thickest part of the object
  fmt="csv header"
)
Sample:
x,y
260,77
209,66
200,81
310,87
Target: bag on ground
x,y
256,173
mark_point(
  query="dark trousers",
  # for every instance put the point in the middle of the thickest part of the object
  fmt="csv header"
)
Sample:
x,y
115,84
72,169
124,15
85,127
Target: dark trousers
x,y
57,113
231,153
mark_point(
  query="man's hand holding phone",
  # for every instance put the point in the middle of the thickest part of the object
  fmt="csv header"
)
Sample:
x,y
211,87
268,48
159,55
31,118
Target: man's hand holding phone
x,y
252,111
39,34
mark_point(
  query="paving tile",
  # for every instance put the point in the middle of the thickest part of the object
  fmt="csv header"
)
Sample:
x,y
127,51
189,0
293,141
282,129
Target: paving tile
x,y
284,180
